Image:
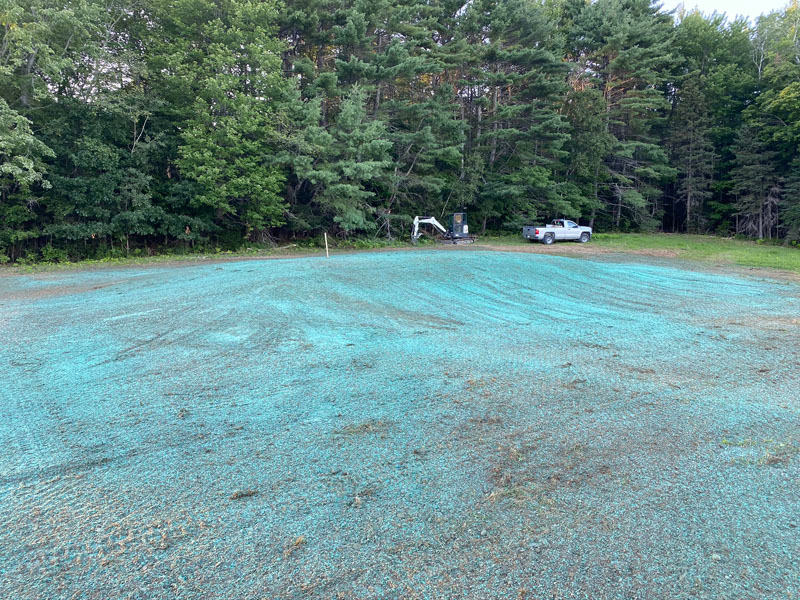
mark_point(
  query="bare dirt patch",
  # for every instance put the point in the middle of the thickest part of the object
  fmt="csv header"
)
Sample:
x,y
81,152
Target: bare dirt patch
x,y
574,249
54,291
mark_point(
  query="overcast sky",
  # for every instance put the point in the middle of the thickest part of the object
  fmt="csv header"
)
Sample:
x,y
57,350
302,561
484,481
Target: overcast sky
x,y
747,8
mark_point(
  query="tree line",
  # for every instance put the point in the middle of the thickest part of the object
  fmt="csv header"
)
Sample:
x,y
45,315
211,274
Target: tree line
x,y
133,124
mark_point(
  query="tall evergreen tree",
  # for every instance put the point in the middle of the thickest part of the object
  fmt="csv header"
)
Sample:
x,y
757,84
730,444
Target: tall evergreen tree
x,y
428,139
229,138
720,53
626,44
755,184
692,152
790,202
591,143
348,164
517,133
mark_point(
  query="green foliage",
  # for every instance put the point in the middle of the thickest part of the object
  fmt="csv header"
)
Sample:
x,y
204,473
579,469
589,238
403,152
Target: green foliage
x,y
348,164
21,169
229,137
192,124
692,152
56,255
755,183
21,154
625,49
790,203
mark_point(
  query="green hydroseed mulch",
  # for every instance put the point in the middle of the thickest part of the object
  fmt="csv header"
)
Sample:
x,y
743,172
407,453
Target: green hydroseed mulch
x,y
407,424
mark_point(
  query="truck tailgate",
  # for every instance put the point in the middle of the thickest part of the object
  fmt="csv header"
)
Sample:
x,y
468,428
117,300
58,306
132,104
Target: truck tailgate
x,y
529,231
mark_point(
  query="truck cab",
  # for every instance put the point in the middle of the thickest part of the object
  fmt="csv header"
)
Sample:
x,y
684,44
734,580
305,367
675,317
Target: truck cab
x,y
566,230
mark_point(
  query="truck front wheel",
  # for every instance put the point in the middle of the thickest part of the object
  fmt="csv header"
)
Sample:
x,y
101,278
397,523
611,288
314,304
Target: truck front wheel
x,y
584,237
548,238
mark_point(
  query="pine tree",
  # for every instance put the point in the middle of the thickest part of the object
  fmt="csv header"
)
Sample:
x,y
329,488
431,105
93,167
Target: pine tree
x,y
428,139
790,202
591,142
226,147
626,45
208,121
692,152
720,53
347,164
517,134
755,184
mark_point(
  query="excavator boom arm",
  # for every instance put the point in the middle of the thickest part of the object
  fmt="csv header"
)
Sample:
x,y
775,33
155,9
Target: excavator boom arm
x,y
415,232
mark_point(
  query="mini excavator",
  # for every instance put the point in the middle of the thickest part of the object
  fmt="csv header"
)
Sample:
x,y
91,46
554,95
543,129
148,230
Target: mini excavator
x,y
458,233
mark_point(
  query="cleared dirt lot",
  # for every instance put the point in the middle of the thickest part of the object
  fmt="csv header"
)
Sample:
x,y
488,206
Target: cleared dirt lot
x,y
403,424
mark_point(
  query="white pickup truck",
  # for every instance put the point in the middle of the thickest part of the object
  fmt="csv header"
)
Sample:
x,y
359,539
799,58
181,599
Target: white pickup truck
x,y
558,230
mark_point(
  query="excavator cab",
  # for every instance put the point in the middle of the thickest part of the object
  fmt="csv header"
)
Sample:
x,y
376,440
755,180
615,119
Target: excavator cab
x,y
458,226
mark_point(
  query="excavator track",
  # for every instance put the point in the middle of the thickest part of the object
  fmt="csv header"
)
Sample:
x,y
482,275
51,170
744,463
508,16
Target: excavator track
x,y
458,241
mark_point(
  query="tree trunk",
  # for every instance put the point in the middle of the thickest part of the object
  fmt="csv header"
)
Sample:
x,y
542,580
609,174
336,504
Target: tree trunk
x,y
478,134
26,94
493,153
596,195
378,85
688,210
674,229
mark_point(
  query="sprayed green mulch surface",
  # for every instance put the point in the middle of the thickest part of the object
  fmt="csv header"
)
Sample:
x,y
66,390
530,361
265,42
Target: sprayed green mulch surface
x,y
425,424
